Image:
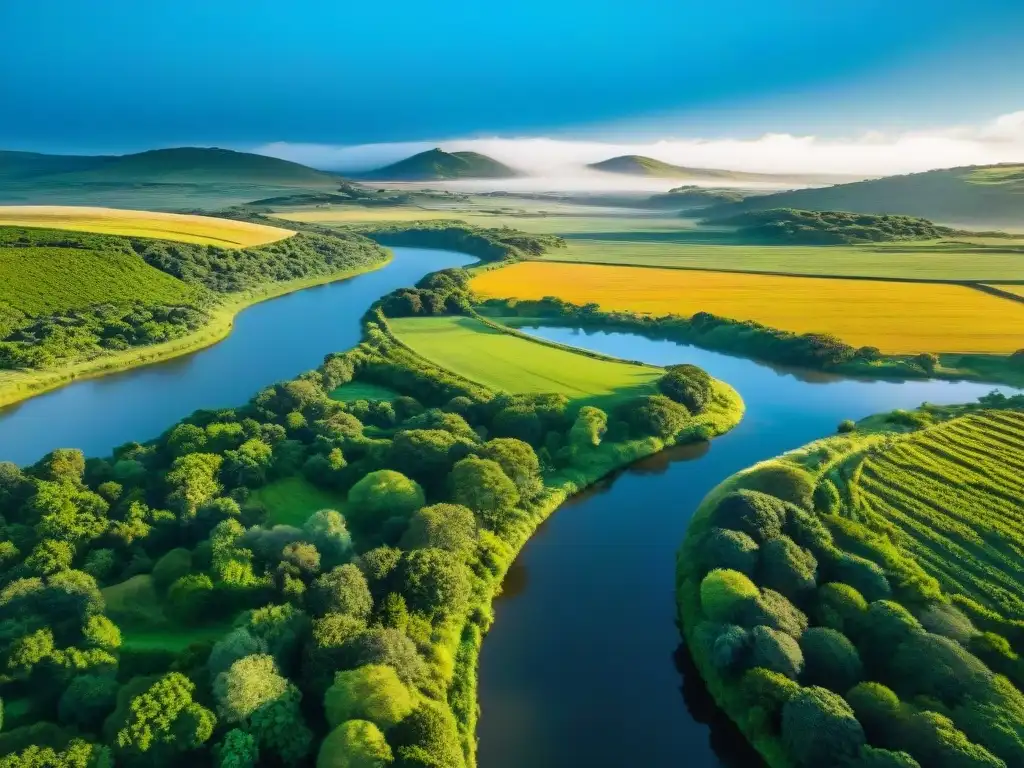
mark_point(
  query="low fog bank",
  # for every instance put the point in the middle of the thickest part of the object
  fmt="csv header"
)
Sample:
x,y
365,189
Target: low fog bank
x,y
560,164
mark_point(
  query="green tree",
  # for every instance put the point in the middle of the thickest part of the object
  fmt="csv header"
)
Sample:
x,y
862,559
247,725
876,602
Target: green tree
x,y
518,461
237,750
50,556
247,685
248,465
193,481
87,701
379,645
820,729
588,429
381,495
434,583
481,485
429,730
326,529
840,607
654,415
830,660
280,728
342,590
787,568
724,593
372,692
687,385
450,527
163,721
355,744
756,514
776,651
729,549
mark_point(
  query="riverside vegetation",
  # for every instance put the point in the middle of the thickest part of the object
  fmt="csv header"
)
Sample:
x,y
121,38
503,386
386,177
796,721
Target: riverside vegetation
x,y
857,602
158,608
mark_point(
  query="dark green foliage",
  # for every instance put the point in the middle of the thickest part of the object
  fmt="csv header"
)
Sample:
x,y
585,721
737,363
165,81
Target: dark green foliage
x,y
388,647
87,701
730,648
733,550
840,607
378,565
863,575
776,651
237,750
820,729
871,757
171,567
431,728
450,527
787,568
280,728
830,660
342,590
937,666
481,485
518,461
774,610
380,495
791,225
877,708
654,415
688,385
426,455
434,583
756,514
885,626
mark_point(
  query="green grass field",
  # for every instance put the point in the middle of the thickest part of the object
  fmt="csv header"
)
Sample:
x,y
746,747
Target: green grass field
x,y
291,500
174,640
45,280
514,364
362,390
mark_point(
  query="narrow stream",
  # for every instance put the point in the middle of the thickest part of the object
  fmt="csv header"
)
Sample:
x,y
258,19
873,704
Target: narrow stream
x,y
583,664
272,341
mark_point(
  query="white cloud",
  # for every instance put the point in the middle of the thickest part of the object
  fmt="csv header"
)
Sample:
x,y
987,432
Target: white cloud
x,y
559,163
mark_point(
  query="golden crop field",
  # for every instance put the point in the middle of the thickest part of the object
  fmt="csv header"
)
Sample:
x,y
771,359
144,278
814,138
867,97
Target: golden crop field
x,y
898,318
206,230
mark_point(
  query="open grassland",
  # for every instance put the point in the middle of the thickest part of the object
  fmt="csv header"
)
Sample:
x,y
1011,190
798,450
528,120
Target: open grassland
x,y
897,318
362,390
515,364
291,500
950,496
45,280
908,262
205,230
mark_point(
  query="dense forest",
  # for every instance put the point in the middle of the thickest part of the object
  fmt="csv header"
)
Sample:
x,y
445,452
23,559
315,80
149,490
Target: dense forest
x,y
67,295
791,225
858,602
163,605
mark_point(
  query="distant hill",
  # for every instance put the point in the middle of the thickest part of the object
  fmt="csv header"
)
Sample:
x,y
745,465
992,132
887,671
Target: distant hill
x,y
980,195
181,165
692,197
638,165
436,164
790,225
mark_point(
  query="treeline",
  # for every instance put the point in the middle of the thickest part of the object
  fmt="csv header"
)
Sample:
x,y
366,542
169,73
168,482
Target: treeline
x,y
38,340
792,225
354,634
831,645
487,244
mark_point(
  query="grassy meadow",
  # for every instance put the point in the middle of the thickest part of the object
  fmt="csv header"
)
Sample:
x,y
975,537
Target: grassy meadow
x,y
898,318
205,230
362,390
514,364
46,280
291,500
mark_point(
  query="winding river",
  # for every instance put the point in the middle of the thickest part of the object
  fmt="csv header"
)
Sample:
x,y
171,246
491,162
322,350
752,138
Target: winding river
x,y
582,666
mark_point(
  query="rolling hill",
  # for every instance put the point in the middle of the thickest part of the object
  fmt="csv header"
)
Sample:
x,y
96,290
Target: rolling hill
x,y
436,164
639,165
15,166
989,195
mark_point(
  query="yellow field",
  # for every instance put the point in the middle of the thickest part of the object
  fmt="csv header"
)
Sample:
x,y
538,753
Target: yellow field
x,y
898,318
205,230
1015,289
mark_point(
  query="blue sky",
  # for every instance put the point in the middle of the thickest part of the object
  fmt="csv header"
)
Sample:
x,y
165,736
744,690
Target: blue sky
x,y
122,75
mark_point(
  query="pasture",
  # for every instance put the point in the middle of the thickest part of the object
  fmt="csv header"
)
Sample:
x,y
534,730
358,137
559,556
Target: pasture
x,y
45,280
362,390
205,230
291,500
898,318
514,364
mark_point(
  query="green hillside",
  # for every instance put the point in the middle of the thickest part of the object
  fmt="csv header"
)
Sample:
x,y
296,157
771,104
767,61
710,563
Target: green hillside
x,y
790,225
689,197
435,164
639,165
198,165
978,195
15,166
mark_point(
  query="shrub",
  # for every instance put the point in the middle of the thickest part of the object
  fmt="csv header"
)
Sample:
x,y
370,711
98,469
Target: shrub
x,y
783,481
518,461
342,590
774,610
654,415
767,690
733,550
355,744
450,527
862,574
724,593
846,425
433,582
776,651
830,660
87,700
429,729
937,666
327,531
380,495
878,710
687,385
481,485
787,568
756,514
730,649
372,693
171,567
885,626
840,607
819,729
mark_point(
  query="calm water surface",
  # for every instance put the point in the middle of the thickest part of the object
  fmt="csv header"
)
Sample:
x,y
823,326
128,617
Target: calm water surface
x,y
273,341
583,664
